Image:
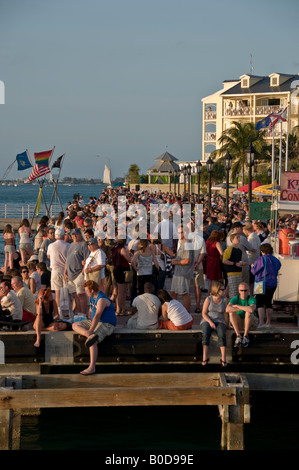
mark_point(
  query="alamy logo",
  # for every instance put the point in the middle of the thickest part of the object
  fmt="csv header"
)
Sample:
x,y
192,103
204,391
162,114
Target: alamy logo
x,y
2,355
295,354
2,92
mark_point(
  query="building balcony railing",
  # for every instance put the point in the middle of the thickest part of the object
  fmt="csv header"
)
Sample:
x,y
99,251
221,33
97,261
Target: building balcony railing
x,y
210,115
265,110
242,111
210,135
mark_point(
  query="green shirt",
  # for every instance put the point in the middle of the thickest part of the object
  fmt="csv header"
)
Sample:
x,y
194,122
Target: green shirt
x,y
248,301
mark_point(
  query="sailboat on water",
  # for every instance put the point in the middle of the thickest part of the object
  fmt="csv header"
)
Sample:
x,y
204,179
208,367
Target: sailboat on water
x,y
107,176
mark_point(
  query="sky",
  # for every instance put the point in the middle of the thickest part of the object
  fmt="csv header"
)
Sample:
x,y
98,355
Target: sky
x,y
120,82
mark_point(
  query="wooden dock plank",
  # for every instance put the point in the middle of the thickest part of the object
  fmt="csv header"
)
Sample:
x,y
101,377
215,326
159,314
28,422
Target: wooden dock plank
x,y
115,396
118,379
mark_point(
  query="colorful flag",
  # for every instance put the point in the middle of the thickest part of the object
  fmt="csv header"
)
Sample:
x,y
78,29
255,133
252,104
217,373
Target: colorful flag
x,y
23,161
42,158
263,123
38,171
58,162
276,117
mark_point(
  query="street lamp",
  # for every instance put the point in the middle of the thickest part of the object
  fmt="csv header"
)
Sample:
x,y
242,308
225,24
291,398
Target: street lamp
x,y
185,175
250,152
179,176
198,171
210,165
228,164
189,178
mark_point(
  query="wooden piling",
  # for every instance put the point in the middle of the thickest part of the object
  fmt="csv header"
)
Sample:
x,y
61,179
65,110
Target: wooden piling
x,y
234,416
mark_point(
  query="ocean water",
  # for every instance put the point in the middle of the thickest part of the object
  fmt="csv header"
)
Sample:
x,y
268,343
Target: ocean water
x,y
273,426
28,193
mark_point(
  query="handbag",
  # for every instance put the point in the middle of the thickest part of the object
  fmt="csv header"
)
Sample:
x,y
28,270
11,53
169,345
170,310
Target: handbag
x,y
259,287
129,275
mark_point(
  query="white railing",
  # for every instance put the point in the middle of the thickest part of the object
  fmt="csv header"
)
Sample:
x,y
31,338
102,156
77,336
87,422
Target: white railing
x,y
210,115
240,111
265,110
15,211
210,136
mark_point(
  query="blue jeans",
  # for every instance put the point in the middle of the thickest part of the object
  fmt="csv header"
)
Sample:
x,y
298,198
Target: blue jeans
x,y
207,331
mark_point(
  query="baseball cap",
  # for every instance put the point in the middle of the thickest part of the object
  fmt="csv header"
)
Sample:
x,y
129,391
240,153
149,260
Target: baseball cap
x,y
76,231
92,240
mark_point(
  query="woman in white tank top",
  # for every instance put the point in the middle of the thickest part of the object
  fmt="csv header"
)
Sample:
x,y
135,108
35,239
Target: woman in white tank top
x,y
25,246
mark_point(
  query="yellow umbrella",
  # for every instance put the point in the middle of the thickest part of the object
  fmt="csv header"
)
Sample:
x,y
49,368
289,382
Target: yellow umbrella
x,y
265,189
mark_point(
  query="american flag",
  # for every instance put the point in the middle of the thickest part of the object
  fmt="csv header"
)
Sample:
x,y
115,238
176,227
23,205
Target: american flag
x,y
276,117
38,171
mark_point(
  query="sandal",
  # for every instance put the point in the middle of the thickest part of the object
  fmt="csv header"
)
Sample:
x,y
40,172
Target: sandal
x,y
91,340
204,363
223,363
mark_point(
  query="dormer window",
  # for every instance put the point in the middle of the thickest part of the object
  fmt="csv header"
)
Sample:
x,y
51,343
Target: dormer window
x,y
274,81
245,83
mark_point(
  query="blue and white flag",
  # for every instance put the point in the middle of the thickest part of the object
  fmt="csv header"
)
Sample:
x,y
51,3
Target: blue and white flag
x,y
23,161
263,123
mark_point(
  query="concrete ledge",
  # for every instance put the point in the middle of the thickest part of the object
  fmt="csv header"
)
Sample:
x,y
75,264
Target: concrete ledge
x,y
127,345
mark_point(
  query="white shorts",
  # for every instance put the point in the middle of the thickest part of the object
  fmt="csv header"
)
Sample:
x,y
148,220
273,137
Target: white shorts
x,y
77,285
57,280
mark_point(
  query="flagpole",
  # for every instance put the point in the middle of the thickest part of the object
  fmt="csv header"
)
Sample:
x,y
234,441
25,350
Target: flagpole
x,y
27,153
55,184
8,169
280,154
287,142
41,194
273,166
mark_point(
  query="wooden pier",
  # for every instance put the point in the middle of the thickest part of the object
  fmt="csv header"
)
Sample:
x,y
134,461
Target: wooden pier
x,y
142,369
230,392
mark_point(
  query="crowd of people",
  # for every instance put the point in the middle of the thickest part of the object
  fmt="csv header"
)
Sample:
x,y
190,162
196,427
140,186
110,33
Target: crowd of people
x,y
92,263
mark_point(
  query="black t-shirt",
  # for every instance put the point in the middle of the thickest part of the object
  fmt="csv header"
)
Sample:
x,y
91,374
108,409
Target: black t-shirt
x,y
46,279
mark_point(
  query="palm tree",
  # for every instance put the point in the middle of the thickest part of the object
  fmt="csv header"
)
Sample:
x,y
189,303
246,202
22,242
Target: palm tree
x,y
133,174
293,147
236,140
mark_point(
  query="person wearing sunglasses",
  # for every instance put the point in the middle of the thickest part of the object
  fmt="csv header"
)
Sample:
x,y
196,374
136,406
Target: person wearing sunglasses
x,y
242,314
25,276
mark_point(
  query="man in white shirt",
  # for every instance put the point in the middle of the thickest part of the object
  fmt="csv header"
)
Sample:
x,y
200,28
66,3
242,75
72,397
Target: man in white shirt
x,y
12,310
26,297
57,253
146,309
94,266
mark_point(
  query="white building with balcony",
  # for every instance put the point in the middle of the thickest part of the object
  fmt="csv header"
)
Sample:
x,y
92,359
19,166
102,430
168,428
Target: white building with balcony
x,y
249,99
